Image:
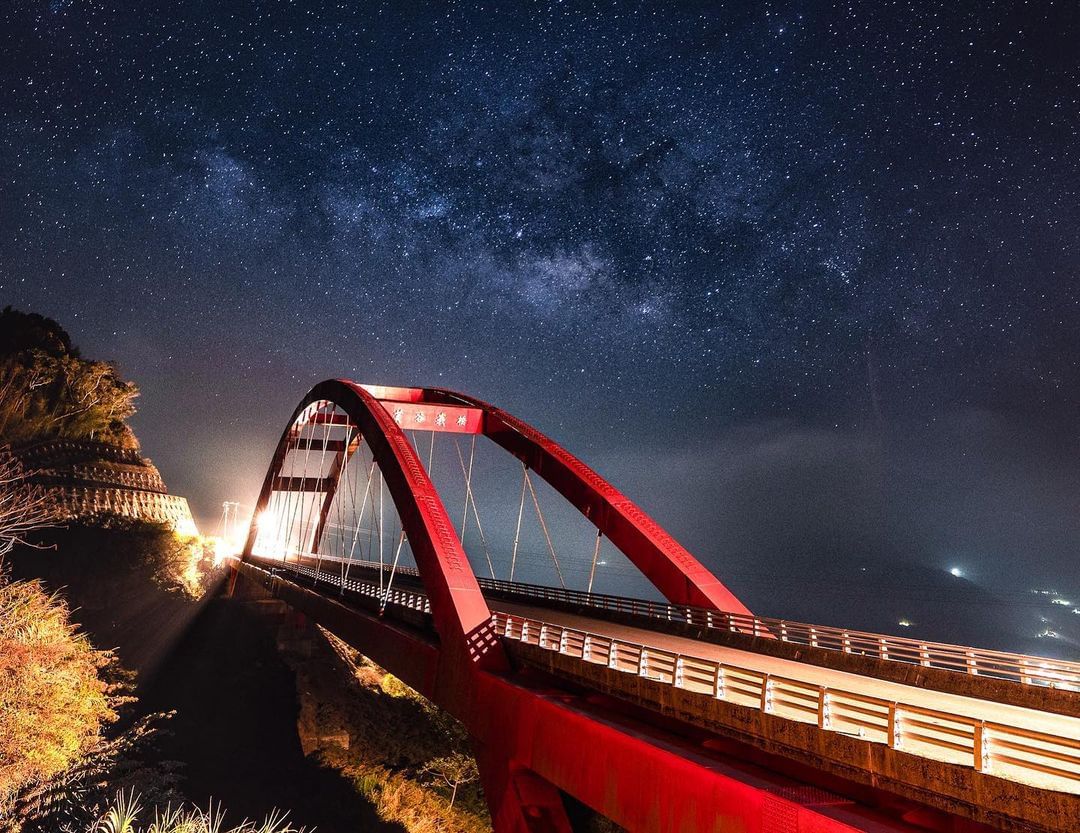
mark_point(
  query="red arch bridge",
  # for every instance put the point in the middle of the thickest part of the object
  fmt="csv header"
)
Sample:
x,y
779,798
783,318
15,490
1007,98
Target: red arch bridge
x,y
684,715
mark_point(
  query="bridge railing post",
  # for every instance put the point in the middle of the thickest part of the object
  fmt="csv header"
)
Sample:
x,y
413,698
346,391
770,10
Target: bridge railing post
x,y
766,693
613,654
718,682
586,648
643,662
924,655
981,748
971,663
883,648
823,715
895,737
679,672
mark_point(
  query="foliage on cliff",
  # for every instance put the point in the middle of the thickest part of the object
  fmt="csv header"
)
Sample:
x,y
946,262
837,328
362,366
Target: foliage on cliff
x,y
52,696
96,561
48,390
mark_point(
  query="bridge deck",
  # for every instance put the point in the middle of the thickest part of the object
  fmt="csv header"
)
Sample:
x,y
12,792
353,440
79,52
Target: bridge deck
x,y
979,709
920,744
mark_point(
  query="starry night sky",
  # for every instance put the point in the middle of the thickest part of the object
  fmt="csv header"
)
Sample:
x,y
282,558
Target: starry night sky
x,y
802,278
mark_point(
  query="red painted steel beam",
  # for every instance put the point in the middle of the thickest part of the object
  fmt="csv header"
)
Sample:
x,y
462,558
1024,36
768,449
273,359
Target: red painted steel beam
x,y
324,418
438,418
666,563
317,444
302,484
645,781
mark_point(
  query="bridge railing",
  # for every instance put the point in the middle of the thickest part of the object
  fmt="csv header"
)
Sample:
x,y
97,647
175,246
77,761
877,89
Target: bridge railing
x,y
1022,668
1007,751
1011,752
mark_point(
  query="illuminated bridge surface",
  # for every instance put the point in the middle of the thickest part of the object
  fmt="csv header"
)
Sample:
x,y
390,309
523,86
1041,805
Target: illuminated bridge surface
x,y
686,714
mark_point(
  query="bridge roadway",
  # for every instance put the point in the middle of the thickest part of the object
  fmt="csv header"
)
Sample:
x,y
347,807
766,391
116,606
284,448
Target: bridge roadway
x,y
869,719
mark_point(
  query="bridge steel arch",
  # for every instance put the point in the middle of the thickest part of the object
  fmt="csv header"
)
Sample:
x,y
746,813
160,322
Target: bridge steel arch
x,y
667,564
531,736
458,608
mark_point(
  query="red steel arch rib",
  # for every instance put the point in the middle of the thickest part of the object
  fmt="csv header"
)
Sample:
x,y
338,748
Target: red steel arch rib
x,y
461,615
666,563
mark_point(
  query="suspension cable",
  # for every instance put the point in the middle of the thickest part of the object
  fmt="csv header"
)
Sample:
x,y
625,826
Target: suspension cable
x,y
382,501
517,531
354,487
543,526
324,510
285,497
393,570
301,535
468,482
470,498
360,520
341,492
595,556
296,516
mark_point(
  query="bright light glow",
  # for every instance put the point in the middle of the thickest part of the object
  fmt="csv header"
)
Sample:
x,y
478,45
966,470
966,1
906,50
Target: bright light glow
x,y
187,527
268,541
904,623
956,571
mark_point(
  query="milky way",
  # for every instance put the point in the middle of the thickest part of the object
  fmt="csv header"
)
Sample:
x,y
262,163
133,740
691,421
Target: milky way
x,y
642,226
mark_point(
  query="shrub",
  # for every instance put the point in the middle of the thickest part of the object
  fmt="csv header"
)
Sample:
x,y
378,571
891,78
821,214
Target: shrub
x,y
53,700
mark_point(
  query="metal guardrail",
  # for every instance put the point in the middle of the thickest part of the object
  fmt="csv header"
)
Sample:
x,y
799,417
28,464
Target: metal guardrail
x,y
1021,668
383,595
1011,752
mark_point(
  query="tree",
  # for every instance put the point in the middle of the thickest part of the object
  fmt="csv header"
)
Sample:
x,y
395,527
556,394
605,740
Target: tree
x,y
453,771
47,390
24,507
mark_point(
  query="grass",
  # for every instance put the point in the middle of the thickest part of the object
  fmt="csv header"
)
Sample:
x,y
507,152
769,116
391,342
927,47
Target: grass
x,y
123,817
